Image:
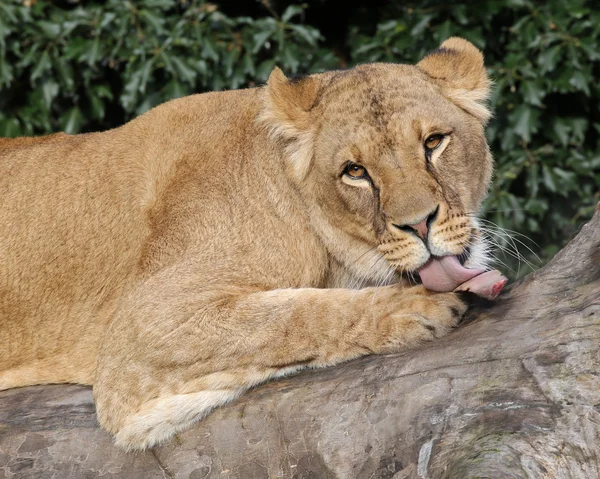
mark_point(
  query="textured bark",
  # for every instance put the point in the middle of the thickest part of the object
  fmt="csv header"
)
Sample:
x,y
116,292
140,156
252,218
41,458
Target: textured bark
x,y
513,393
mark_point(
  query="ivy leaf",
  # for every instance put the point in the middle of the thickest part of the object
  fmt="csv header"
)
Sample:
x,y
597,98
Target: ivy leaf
x,y
209,51
421,25
562,130
532,93
249,67
290,61
9,127
291,12
42,66
97,106
184,72
548,59
260,39
130,91
533,179
579,81
175,89
49,29
91,53
549,180
65,73
264,70
153,20
524,120
308,35
6,74
72,121
49,92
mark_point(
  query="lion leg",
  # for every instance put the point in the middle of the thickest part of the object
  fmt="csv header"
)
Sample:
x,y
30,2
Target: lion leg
x,y
157,377
157,420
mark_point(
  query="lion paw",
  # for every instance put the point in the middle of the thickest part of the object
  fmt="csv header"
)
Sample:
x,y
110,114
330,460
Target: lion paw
x,y
423,316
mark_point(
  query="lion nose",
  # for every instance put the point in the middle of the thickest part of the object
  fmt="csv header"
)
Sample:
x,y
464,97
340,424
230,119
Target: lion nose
x,y
422,227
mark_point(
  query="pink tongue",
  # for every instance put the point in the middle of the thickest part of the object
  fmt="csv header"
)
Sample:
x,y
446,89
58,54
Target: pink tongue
x,y
447,274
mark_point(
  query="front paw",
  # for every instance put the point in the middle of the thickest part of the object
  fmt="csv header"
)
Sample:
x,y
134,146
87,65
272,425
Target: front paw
x,y
421,316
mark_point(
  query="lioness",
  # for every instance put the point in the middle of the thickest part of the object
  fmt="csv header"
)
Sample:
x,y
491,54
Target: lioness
x,y
223,239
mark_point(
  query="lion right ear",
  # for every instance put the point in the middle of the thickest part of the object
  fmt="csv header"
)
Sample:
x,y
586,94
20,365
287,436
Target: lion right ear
x,y
457,67
286,112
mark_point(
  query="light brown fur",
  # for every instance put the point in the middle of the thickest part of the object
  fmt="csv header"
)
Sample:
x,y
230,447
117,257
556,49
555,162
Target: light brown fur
x,y
214,242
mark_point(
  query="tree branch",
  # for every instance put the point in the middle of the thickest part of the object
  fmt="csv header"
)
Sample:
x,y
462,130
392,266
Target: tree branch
x,y
514,392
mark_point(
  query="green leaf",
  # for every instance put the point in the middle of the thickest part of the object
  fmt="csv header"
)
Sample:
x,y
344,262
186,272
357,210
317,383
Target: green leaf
x,y
42,66
130,91
249,67
260,38
160,4
148,102
91,53
72,121
154,21
533,180
9,127
549,180
548,59
421,25
524,119
175,89
290,62
264,70
8,12
387,27
103,91
6,74
568,177
107,19
209,51
49,29
291,12
184,72
533,93
579,81
65,73
49,92
97,106
308,35
562,130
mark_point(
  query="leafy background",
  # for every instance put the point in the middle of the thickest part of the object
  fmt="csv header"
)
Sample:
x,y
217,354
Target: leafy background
x,y
79,67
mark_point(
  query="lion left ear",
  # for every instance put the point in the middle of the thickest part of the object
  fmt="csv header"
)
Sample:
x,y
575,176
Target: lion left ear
x,y
457,67
286,112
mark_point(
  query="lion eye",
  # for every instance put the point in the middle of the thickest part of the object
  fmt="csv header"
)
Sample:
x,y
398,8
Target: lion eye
x,y
433,142
356,171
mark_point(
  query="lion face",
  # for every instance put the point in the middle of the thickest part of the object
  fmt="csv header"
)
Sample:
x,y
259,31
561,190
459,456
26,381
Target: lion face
x,y
394,156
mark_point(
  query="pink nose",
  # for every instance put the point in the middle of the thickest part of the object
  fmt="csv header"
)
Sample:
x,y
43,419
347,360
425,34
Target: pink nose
x,y
421,228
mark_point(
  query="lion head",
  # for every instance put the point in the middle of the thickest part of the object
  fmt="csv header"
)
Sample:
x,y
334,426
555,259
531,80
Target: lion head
x,y
391,159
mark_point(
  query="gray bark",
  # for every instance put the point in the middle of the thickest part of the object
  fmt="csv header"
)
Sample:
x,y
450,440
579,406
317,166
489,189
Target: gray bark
x,y
513,393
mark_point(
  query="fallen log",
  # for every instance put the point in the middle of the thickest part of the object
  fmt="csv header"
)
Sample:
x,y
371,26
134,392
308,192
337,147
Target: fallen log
x,y
513,393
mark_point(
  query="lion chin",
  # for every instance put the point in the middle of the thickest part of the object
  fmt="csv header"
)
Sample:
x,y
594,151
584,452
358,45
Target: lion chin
x,y
223,239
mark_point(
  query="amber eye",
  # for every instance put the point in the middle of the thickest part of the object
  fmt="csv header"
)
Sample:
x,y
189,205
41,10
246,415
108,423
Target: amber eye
x,y
356,171
433,142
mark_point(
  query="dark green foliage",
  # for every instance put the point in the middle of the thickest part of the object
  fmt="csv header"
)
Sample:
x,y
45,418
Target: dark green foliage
x,y
64,66
88,68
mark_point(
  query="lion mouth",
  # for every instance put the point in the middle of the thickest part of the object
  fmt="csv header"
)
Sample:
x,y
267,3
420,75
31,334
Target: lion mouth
x,y
444,274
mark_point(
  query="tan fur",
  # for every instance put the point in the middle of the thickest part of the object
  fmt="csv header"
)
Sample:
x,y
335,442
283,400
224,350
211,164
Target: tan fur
x,y
214,242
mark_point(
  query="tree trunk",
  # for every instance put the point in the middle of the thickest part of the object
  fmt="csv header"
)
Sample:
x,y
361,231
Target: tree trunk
x,y
513,393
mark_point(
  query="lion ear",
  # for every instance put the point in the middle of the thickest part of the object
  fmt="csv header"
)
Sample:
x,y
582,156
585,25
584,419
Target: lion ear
x,y
457,67
287,113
